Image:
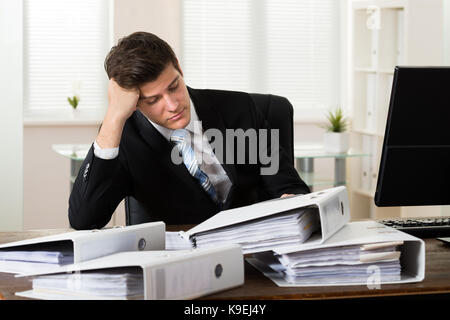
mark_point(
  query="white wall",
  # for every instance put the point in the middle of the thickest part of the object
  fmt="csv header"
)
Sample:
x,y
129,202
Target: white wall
x,y
446,17
46,173
11,168
161,17
425,24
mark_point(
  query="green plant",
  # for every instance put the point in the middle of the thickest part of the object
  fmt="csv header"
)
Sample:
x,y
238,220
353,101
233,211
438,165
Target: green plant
x,y
73,101
336,121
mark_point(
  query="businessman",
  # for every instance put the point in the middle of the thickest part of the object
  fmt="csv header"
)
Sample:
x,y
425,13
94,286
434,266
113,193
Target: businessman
x,y
169,145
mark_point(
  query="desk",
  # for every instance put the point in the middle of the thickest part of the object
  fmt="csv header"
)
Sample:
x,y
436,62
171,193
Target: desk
x,y
257,286
76,153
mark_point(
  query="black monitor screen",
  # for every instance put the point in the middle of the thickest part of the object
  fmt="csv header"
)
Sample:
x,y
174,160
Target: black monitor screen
x,y
415,160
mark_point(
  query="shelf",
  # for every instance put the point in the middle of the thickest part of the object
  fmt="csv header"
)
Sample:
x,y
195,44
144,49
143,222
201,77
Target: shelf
x,y
317,151
364,192
386,71
313,180
368,133
373,70
367,70
383,34
385,4
72,151
378,45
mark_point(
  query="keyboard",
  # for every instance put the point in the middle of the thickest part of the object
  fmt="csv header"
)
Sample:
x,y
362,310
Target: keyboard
x,y
429,227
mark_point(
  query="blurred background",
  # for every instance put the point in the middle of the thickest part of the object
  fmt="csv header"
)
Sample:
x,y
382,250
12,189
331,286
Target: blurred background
x,y
320,54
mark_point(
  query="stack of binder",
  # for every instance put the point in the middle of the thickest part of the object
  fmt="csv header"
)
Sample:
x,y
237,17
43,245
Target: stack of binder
x,y
261,235
183,274
303,240
124,283
120,263
42,253
275,223
360,253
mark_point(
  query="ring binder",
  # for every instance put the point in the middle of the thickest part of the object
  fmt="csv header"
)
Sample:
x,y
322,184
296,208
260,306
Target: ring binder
x,y
183,274
84,245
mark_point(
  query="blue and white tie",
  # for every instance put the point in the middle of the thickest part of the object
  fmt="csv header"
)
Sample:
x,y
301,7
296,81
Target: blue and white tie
x,y
180,138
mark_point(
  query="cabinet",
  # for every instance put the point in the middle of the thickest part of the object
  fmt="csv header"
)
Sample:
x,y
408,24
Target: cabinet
x,y
384,34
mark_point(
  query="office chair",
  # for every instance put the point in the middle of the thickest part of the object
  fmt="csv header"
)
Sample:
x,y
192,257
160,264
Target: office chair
x,y
277,110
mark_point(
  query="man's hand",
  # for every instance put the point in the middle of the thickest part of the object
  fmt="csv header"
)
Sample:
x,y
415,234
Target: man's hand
x,y
287,195
121,102
121,105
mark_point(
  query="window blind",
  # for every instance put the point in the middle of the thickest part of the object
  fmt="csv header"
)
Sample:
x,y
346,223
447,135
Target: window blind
x,y
217,44
284,47
65,44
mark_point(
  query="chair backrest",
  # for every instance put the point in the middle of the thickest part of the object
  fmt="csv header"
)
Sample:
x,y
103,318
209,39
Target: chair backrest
x,y
278,112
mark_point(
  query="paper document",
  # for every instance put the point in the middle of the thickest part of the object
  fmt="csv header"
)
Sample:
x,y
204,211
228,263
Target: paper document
x,y
358,253
262,235
17,259
276,223
179,274
175,241
71,247
346,264
122,283
58,257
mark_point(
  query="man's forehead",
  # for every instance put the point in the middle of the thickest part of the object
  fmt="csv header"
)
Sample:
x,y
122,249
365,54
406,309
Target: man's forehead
x,y
158,86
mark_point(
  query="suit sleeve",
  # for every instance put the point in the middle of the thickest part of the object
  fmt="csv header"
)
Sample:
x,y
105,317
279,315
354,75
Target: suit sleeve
x,y
278,174
97,191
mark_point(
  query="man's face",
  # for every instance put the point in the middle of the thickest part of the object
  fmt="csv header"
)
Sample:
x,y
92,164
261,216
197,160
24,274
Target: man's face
x,y
165,101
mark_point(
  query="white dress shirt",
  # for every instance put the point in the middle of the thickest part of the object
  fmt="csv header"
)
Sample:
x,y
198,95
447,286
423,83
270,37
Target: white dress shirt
x,y
206,158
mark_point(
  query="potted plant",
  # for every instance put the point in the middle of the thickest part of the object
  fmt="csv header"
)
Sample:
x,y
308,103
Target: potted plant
x,y
74,99
335,138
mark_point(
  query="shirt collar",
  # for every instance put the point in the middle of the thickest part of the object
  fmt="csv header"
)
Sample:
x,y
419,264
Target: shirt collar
x,y
194,118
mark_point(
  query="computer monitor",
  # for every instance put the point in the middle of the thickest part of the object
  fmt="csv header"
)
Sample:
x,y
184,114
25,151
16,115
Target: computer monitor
x,y
415,160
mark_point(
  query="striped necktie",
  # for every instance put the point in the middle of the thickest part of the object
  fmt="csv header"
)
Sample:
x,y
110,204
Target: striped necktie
x,y
180,138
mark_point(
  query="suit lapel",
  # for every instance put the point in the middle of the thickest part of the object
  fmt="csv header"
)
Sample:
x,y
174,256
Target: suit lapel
x,y
211,120
162,148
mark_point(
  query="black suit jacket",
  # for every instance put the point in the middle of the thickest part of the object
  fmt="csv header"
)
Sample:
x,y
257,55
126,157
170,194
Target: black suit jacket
x,y
144,169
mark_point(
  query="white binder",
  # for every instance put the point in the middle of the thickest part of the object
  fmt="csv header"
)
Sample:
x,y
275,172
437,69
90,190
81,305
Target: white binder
x,y
88,244
330,205
412,257
184,274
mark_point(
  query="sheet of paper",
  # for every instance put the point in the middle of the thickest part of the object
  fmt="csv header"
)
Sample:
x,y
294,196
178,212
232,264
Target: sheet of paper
x,y
263,235
175,241
119,283
337,215
25,267
38,256
276,273
42,258
349,257
355,233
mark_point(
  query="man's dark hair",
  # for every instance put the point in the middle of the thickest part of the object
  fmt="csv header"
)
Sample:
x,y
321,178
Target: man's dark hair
x,y
139,58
